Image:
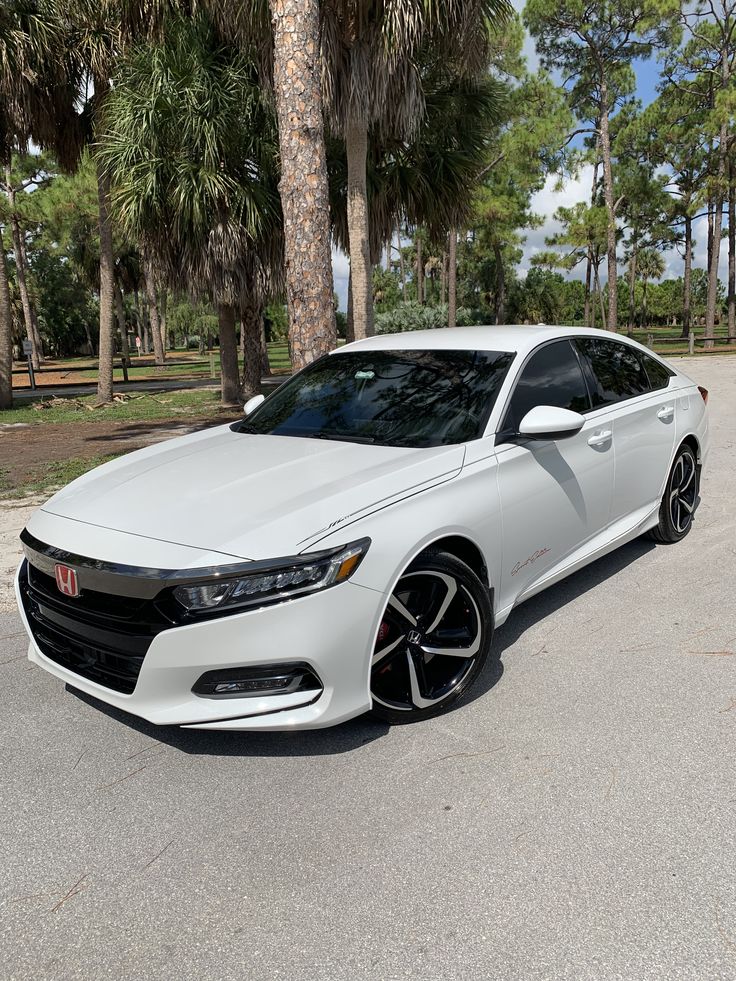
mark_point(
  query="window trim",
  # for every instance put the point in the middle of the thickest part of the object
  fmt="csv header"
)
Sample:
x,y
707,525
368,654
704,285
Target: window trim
x,y
589,371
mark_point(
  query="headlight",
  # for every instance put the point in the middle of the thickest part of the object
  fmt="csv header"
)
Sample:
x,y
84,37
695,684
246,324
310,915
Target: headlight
x,y
289,578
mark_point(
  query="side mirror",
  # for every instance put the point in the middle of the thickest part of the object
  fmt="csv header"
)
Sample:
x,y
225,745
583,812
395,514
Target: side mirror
x,y
252,404
549,422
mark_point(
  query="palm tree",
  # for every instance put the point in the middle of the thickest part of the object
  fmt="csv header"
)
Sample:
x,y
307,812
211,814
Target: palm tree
x,y
649,265
190,148
32,95
372,78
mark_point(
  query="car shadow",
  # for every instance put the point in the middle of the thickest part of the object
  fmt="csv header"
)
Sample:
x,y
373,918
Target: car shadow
x,y
546,604
366,729
202,742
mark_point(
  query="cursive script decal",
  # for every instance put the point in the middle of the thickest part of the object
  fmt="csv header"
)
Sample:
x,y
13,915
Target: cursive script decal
x,y
530,561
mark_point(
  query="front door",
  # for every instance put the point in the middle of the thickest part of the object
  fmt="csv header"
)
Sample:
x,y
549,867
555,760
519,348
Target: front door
x,y
555,494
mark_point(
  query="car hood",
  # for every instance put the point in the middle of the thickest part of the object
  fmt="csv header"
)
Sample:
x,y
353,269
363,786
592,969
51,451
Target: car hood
x,y
249,495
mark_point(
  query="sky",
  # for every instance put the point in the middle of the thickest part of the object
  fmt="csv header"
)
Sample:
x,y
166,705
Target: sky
x,y
550,198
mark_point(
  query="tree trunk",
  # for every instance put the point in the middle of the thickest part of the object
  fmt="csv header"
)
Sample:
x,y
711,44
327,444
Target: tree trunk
x,y
645,283
350,326
500,284
443,280
228,355
452,280
265,363
402,268
149,280
6,334
107,291
122,325
632,288
251,326
687,276
610,211
588,277
356,139
303,187
162,304
21,265
420,270
731,253
712,300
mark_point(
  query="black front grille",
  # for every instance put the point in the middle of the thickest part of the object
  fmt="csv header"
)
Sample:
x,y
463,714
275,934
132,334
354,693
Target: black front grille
x,y
100,637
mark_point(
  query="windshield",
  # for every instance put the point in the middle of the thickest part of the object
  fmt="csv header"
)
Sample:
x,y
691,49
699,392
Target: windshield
x,y
393,398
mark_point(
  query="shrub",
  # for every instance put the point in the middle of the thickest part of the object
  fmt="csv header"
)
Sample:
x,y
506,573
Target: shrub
x,y
412,316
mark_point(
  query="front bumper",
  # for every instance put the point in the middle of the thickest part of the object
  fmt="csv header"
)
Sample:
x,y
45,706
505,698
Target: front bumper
x,y
333,632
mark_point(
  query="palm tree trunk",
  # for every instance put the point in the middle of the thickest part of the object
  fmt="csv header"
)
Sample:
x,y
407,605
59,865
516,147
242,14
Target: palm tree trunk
x,y
6,334
149,280
228,355
122,325
605,140
500,284
452,280
251,326
356,139
420,270
731,253
687,276
107,291
443,280
304,189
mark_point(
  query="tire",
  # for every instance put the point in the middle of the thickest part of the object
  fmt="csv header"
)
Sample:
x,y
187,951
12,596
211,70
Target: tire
x,y
679,499
433,640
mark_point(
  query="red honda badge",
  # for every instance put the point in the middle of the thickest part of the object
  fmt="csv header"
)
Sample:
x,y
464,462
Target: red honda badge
x,y
66,580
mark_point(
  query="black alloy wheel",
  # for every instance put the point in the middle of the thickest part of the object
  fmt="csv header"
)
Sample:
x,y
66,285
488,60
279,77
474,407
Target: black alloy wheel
x,y
680,498
433,640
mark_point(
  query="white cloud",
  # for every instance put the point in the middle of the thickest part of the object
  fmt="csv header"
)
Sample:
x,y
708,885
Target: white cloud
x,y
340,274
554,194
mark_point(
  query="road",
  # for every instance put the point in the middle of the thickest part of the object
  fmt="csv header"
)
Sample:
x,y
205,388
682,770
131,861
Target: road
x,y
576,819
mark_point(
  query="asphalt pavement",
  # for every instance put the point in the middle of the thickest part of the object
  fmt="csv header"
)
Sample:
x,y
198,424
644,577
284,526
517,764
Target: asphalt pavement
x,y
575,819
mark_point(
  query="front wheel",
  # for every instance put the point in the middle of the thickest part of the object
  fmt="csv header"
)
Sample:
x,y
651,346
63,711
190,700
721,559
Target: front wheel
x,y
433,640
680,497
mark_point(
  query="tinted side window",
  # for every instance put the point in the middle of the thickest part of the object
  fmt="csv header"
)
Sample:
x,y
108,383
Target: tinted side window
x,y
659,376
552,376
618,373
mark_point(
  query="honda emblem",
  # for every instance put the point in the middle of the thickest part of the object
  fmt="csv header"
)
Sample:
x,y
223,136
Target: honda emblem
x,y
66,580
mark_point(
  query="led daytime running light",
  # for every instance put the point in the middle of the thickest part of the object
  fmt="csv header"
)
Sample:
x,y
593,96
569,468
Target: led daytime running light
x,y
280,583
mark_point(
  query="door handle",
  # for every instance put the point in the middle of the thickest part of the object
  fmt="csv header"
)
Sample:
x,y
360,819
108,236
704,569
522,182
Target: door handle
x,y
666,412
600,437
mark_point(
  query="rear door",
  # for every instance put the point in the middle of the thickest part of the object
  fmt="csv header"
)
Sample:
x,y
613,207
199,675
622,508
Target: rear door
x,y
636,386
555,494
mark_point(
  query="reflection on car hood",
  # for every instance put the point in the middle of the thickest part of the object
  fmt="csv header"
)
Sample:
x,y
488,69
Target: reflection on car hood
x,y
250,496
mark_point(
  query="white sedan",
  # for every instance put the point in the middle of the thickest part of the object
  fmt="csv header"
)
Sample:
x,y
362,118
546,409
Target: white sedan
x,y
353,541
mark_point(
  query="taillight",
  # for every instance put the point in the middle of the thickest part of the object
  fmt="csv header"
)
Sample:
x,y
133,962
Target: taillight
x,y
704,393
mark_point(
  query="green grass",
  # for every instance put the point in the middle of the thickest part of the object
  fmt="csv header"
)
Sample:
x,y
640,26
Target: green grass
x,y
49,476
148,406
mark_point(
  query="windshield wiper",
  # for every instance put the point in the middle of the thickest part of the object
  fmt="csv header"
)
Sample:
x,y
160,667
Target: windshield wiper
x,y
341,438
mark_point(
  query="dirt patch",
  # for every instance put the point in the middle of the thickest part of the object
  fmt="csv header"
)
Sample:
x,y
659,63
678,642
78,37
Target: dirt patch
x,y
26,448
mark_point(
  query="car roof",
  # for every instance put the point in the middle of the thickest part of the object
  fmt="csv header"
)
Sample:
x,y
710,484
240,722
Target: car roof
x,y
520,339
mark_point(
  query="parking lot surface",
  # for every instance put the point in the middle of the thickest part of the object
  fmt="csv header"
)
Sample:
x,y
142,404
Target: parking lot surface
x,y
575,819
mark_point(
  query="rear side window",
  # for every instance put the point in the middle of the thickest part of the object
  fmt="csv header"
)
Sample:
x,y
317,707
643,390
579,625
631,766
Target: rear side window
x,y
659,375
617,372
552,376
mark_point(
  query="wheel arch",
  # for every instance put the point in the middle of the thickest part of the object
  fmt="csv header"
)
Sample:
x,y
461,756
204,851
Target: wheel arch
x,y
693,442
464,549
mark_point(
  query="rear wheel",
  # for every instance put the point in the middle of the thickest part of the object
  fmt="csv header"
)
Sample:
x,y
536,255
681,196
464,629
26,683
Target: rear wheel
x,y
679,500
433,640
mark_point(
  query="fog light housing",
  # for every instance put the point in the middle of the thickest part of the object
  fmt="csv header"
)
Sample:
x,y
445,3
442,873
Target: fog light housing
x,y
259,680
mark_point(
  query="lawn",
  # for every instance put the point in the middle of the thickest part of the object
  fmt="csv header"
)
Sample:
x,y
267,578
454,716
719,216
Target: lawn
x,y
131,408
